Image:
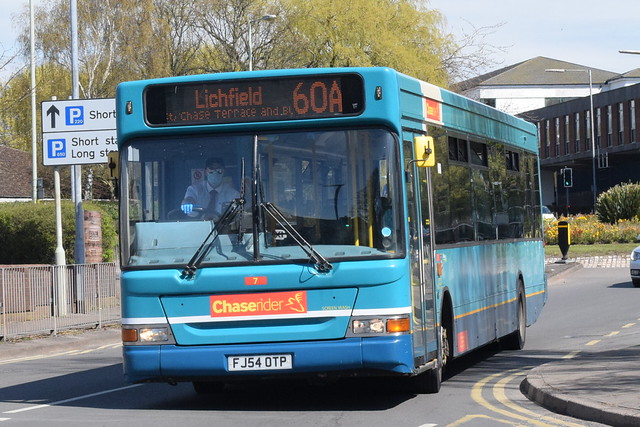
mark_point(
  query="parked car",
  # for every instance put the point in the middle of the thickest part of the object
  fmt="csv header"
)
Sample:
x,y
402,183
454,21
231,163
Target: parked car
x,y
635,267
547,214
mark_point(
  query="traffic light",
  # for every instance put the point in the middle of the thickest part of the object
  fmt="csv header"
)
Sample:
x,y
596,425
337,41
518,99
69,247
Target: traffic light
x,y
567,177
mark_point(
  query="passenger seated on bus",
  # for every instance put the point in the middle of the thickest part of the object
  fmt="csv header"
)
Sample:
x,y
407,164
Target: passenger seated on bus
x,y
208,198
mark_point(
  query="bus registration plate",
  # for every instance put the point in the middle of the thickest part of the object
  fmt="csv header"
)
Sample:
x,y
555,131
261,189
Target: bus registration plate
x,y
259,362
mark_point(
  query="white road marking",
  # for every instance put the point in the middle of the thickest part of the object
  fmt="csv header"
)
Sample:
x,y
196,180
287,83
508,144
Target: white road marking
x,y
73,399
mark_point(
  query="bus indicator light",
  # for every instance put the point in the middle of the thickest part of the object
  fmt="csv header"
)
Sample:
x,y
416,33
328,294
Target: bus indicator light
x,y
129,335
398,325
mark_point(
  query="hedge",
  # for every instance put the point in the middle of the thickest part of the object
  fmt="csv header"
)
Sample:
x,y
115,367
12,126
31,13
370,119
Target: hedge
x,y
28,231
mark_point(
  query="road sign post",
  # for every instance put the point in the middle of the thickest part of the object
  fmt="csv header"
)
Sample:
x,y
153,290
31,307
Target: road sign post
x,y
77,132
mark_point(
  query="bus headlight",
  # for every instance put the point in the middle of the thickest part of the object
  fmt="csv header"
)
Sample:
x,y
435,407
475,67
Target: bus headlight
x,y
146,334
375,326
154,334
368,326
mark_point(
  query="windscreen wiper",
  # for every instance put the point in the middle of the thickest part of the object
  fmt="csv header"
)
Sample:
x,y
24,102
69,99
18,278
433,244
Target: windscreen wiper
x,y
320,263
225,219
241,209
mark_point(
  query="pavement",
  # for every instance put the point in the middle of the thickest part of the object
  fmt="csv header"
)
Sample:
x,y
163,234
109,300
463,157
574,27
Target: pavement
x,y
601,387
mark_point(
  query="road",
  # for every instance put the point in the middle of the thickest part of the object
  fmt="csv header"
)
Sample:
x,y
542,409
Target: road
x,y
590,310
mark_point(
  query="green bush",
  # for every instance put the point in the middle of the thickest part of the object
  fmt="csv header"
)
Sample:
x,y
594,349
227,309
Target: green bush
x,y
621,202
28,232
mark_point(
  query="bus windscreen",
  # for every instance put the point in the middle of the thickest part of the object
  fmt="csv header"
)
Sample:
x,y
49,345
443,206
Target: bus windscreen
x,y
254,100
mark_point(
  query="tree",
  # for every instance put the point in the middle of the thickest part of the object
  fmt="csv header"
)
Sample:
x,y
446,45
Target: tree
x,y
15,110
158,39
96,42
224,25
393,33
469,55
122,40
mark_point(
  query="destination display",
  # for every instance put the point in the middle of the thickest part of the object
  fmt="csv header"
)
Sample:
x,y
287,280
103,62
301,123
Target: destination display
x,y
254,100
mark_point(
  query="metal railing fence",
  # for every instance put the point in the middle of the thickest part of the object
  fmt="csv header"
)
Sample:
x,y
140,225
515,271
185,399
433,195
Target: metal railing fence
x,y
47,299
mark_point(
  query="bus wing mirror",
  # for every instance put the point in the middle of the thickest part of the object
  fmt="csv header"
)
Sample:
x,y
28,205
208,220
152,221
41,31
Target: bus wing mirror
x,y
424,151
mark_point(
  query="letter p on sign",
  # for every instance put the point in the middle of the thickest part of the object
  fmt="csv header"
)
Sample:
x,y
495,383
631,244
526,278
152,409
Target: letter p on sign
x,y
74,115
57,148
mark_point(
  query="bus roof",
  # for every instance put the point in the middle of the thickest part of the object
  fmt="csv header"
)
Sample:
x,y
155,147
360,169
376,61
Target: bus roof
x,y
390,97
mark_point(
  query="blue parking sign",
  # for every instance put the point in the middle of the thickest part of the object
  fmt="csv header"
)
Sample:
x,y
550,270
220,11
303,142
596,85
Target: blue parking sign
x,y
74,116
57,148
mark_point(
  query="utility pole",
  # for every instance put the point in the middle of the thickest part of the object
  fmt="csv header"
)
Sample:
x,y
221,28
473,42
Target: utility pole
x,y
76,170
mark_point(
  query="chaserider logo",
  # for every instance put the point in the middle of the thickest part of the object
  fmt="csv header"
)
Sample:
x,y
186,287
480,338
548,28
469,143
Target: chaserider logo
x,y
258,304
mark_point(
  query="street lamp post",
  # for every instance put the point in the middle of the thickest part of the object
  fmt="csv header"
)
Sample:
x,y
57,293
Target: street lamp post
x,y
267,17
593,133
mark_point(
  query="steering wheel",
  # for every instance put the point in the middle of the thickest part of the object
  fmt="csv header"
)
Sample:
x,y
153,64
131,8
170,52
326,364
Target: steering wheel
x,y
196,214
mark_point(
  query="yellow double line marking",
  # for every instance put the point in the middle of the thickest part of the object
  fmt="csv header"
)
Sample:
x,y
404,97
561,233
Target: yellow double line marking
x,y
514,414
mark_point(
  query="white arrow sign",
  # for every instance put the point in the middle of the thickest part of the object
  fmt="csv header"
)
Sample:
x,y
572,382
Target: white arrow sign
x,y
78,131
74,115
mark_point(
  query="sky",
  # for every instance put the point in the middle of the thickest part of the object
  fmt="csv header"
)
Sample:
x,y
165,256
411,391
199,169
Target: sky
x,y
8,29
585,32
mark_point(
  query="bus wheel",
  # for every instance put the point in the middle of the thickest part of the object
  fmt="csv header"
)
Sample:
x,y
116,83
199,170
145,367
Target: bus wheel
x,y
515,340
428,382
208,387
446,345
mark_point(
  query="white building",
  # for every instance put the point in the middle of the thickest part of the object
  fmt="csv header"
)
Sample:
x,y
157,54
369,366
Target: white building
x,y
529,86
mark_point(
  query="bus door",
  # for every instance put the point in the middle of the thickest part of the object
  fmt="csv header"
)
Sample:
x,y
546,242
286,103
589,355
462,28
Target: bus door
x,y
418,179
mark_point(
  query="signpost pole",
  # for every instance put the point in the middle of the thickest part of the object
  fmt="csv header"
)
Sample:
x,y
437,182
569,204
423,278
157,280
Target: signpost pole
x,y
61,264
34,140
76,169
75,132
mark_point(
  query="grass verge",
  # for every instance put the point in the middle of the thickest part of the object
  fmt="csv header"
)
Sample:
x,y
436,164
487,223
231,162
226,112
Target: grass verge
x,y
624,249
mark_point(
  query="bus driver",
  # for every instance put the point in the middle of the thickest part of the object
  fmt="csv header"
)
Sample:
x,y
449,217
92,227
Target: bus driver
x,y
211,193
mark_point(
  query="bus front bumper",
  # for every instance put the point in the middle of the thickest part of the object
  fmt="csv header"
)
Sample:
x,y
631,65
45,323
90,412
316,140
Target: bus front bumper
x,y
172,363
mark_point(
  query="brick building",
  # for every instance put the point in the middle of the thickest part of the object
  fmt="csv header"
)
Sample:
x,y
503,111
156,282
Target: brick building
x,y
558,103
565,141
15,175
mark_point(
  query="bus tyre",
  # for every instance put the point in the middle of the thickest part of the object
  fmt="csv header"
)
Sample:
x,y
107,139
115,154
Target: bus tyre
x,y
515,340
428,382
208,387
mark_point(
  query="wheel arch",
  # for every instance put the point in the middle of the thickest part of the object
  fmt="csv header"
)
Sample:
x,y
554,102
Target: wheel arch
x,y
446,318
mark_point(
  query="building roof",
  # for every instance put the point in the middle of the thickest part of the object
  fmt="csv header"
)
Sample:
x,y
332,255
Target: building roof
x,y
631,74
532,73
15,173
